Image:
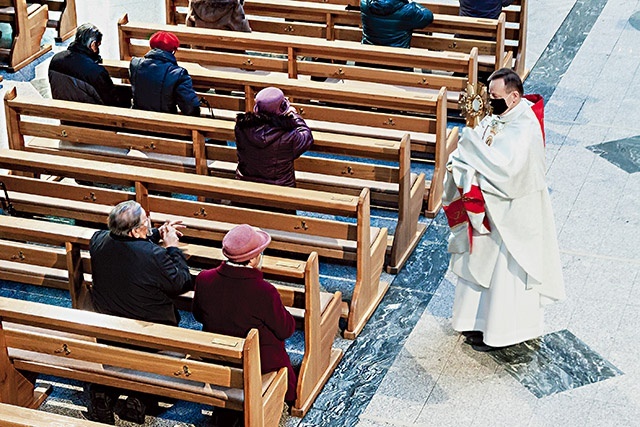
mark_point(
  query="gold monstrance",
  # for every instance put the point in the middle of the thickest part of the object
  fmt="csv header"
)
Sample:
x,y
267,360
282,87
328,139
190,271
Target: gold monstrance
x,y
474,104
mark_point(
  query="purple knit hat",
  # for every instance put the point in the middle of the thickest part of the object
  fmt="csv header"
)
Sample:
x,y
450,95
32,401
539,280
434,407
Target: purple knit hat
x,y
271,100
244,242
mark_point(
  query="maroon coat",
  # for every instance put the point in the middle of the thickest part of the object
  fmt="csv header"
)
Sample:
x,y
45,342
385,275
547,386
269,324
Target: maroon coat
x,y
267,146
231,300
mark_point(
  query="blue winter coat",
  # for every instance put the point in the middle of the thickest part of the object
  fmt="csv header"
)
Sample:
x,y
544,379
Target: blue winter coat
x,y
159,84
391,22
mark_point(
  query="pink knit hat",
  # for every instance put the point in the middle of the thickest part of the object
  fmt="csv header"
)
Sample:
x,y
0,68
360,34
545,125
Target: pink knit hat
x,y
164,40
271,100
244,242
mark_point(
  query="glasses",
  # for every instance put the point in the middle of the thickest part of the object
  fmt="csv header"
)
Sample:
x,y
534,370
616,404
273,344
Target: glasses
x,y
146,223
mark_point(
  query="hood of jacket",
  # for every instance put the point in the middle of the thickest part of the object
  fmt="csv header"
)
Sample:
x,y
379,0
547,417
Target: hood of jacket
x,y
384,7
258,127
161,55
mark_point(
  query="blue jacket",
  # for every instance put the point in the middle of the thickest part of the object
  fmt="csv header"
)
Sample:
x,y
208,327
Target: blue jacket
x,y
483,8
159,84
391,22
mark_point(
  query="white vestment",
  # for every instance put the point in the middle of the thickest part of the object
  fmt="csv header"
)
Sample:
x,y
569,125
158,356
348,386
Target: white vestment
x,y
507,273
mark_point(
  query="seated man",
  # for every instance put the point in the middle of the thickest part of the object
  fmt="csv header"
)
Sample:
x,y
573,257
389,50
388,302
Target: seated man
x,y
391,22
75,74
234,298
269,139
158,83
135,276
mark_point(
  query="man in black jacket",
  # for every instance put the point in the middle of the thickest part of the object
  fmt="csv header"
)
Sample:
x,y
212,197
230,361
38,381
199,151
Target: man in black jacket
x,y
135,277
159,83
76,74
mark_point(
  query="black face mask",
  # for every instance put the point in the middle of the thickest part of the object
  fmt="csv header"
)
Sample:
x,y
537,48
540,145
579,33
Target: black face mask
x,y
498,105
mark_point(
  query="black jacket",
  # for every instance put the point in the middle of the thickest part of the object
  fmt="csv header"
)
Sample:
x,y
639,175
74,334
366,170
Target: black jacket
x,y
76,75
159,84
267,146
136,278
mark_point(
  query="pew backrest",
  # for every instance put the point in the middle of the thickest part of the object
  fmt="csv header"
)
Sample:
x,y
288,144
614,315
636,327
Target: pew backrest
x,y
174,362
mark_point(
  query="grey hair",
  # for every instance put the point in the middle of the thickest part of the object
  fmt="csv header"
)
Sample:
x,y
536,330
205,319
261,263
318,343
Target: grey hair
x,y
125,217
87,34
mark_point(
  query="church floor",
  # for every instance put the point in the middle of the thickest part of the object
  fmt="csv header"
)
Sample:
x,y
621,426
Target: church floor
x,y
408,367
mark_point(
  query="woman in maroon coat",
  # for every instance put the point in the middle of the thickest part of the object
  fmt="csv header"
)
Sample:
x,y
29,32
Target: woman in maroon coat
x,y
269,139
233,298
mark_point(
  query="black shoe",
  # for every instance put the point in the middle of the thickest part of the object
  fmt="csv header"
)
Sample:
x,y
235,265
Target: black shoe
x,y
473,337
133,409
101,408
484,348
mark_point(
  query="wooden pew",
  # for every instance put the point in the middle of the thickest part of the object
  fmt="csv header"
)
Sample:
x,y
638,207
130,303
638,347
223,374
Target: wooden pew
x,y
515,40
28,24
391,185
515,23
18,416
285,53
296,234
334,22
179,363
63,18
55,255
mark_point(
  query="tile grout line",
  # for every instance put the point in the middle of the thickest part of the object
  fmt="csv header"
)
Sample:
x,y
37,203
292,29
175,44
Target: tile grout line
x,y
598,256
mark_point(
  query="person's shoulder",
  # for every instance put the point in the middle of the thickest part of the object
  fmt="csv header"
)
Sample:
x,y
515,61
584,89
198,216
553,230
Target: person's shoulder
x,y
266,288
205,275
99,235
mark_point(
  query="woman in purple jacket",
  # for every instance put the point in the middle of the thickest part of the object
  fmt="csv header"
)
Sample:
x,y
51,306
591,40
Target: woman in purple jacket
x,y
234,298
269,139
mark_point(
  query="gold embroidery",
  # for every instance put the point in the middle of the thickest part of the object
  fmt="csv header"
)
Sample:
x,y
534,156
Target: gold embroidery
x,y
494,127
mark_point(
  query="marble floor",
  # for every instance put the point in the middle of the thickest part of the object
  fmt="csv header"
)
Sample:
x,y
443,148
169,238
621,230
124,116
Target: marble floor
x,y
408,367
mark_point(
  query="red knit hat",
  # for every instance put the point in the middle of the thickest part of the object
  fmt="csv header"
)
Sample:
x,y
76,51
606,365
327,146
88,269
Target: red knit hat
x,y
164,40
244,242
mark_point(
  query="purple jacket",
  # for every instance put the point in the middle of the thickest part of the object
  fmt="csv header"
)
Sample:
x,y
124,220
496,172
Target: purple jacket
x,y
483,8
268,145
231,300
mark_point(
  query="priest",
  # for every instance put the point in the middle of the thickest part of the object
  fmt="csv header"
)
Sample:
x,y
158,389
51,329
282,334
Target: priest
x,y
503,240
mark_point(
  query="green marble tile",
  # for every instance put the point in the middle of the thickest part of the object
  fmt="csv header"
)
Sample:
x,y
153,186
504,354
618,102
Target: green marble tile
x,y
554,363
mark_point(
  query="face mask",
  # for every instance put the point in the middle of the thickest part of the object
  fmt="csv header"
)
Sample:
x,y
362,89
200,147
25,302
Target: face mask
x,y
499,105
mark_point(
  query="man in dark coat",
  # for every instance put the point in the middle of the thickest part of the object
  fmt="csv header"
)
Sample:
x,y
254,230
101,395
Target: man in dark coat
x,y
483,8
234,298
391,22
76,74
134,277
269,139
158,83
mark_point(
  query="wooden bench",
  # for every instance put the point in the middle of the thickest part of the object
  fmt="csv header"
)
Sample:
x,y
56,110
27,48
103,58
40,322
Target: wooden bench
x,y
515,23
354,241
183,364
391,184
284,54
45,253
18,416
335,22
62,17
515,40
28,24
